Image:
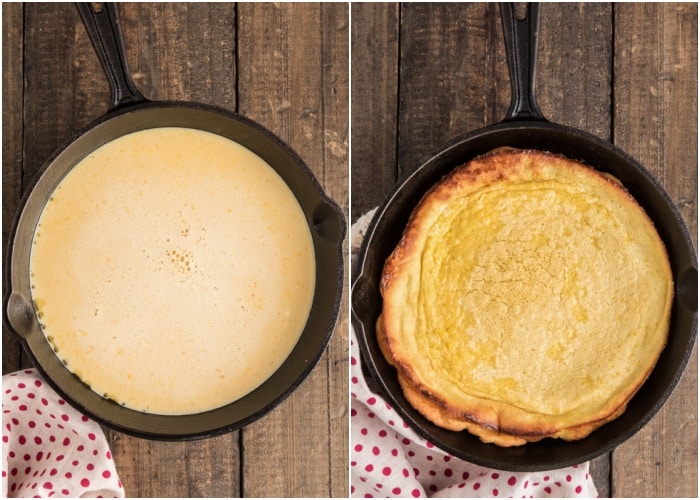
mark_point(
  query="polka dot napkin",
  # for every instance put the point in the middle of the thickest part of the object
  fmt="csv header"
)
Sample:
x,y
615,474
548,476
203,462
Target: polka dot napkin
x,y
388,459
49,448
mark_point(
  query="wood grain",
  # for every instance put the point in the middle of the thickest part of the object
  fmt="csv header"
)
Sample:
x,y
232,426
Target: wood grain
x,y
374,73
656,122
288,78
12,109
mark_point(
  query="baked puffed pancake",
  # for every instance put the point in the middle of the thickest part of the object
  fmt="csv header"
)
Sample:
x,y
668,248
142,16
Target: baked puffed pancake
x,y
529,297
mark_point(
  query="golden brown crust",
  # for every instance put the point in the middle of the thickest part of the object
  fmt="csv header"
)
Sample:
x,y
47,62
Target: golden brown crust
x,y
505,270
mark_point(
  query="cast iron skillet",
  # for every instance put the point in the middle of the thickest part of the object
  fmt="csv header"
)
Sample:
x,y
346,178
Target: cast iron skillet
x,y
525,127
129,111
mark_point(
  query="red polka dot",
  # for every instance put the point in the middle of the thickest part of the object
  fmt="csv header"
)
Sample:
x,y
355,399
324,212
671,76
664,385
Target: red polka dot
x,y
364,431
495,475
358,448
68,475
429,444
90,466
353,361
568,478
477,486
109,455
578,489
548,490
375,450
495,492
415,493
44,401
84,482
53,472
65,491
66,441
396,491
37,383
21,385
448,472
369,467
39,456
394,452
22,407
37,440
65,417
382,433
61,402
512,480
465,475
405,472
106,474
386,471
371,400
48,485
22,439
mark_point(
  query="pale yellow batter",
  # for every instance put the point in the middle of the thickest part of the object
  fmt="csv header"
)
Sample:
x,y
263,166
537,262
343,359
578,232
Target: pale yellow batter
x,y
173,270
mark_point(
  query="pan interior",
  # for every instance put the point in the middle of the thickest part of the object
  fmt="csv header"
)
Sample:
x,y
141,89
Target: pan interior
x,y
172,270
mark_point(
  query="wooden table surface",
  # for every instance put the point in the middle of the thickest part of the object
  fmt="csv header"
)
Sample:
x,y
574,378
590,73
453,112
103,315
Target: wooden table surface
x,y
424,73
421,74
286,67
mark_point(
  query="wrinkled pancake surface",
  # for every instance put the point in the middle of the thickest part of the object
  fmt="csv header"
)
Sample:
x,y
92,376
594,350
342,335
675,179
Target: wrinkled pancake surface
x,y
528,297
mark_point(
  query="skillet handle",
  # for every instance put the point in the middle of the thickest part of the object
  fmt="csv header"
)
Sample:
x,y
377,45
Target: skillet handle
x,y
101,22
521,49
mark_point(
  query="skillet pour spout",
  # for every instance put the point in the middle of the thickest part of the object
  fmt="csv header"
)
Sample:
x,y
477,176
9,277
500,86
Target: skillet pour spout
x,y
129,111
524,127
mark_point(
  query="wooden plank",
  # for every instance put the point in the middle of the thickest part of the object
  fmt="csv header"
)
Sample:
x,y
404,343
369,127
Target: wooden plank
x,y
12,130
335,22
282,69
170,59
454,79
182,51
574,71
656,122
453,75
573,87
55,107
375,58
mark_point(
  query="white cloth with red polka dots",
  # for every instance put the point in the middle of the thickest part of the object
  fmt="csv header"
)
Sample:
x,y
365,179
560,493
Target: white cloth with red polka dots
x,y
49,448
388,459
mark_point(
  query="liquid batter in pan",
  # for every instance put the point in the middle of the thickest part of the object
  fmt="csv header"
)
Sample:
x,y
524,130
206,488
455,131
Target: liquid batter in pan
x,y
172,270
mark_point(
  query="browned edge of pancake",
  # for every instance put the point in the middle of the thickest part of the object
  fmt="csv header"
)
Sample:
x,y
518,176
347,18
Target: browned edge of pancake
x,y
484,422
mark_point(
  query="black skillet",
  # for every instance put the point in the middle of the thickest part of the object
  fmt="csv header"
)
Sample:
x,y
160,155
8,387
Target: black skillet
x,y
525,127
129,111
